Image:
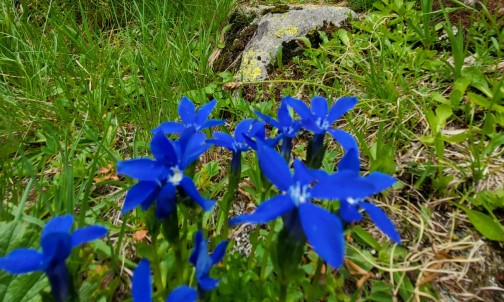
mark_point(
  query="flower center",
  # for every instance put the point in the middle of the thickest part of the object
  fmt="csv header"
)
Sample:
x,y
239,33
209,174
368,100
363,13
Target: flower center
x,y
353,201
299,193
322,123
239,146
176,177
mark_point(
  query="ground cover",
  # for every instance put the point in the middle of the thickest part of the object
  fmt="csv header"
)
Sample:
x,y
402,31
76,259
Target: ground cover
x,y
83,85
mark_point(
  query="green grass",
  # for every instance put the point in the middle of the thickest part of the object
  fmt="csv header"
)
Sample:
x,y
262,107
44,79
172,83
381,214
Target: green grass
x,y
82,84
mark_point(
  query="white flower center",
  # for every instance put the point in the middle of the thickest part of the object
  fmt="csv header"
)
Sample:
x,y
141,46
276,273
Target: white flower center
x,y
322,123
353,201
299,194
177,176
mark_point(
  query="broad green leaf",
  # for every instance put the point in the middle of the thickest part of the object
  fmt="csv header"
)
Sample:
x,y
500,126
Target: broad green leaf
x,y
455,139
459,88
443,112
343,35
363,235
484,102
485,224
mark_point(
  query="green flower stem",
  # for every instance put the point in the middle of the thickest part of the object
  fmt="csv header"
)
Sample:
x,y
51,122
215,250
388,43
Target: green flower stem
x,y
283,292
233,181
156,264
170,229
267,250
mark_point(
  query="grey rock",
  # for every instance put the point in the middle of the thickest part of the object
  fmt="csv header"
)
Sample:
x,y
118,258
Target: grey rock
x,y
275,29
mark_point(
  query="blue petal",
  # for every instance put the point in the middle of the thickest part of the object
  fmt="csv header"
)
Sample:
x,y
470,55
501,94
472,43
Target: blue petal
x,y
350,162
163,149
56,247
183,293
345,139
87,234
274,167
348,212
266,211
166,201
222,140
219,252
380,181
207,283
300,107
284,117
257,130
190,188
319,107
211,124
242,128
194,148
324,232
22,261
186,111
342,185
143,169
381,220
340,107
142,282
170,128
59,224
200,247
268,119
204,112
143,193
302,173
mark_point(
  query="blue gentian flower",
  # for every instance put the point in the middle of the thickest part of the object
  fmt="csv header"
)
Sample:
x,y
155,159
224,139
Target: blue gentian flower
x,y
322,229
160,178
350,165
142,287
320,119
247,128
191,120
57,243
204,262
287,127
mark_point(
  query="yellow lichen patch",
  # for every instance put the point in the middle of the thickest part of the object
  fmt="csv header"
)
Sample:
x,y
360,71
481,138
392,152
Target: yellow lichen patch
x,y
290,32
250,70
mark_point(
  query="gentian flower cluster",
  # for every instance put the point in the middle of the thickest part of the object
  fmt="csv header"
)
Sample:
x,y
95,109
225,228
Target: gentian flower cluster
x,y
57,243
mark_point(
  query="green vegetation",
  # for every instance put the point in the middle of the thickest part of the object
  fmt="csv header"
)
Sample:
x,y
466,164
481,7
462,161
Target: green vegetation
x,y
83,83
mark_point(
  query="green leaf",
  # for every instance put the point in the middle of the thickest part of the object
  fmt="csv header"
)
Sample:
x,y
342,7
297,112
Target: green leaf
x,y
485,224
343,35
443,112
484,102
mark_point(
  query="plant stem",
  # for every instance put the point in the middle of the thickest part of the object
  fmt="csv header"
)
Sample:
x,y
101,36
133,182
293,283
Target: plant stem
x,y
267,250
